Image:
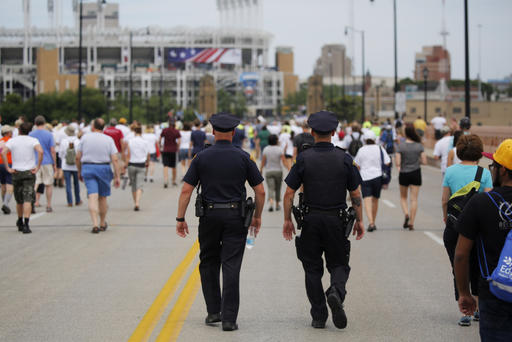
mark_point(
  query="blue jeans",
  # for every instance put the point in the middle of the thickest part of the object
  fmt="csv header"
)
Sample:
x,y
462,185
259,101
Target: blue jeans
x,y
67,176
495,320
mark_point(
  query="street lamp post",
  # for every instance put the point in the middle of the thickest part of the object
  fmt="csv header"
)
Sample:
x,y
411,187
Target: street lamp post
x,y
396,58
131,81
363,78
80,64
80,18
329,54
33,94
466,52
425,78
160,93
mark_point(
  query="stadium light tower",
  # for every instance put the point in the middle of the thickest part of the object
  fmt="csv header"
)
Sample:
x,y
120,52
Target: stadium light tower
x,y
103,2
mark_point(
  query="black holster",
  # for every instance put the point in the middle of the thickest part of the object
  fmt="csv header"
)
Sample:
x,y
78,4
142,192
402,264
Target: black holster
x,y
247,211
299,212
348,219
199,205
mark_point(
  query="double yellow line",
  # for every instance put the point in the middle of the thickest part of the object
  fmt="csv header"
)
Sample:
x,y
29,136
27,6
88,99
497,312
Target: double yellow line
x,y
179,312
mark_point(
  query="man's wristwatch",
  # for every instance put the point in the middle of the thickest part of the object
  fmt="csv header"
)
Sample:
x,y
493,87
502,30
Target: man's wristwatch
x,y
180,219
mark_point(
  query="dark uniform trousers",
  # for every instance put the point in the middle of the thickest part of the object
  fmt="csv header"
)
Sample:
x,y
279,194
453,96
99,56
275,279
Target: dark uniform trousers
x,y
222,239
323,234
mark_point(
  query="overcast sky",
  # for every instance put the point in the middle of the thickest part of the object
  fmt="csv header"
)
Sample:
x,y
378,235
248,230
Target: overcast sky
x,y
307,25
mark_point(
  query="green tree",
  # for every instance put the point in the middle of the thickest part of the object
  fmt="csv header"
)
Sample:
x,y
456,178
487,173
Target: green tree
x,y
347,108
11,108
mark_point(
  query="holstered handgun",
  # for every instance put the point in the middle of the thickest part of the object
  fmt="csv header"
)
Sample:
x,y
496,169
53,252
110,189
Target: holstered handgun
x,y
298,212
248,211
199,203
348,219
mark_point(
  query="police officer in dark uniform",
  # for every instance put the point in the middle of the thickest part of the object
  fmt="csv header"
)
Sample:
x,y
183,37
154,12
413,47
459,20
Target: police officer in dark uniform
x,y
327,173
221,171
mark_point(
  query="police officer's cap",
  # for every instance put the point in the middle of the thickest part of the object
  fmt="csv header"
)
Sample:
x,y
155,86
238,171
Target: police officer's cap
x,y
224,122
323,122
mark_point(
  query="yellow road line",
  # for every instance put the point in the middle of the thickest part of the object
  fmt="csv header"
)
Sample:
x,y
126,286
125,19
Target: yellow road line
x,y
152,316
179,313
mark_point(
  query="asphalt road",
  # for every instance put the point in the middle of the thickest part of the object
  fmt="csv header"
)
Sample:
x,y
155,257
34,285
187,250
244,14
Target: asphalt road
x,y
139,279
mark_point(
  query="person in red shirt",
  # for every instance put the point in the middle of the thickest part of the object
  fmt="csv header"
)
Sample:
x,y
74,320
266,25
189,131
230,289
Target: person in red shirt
x,y
119,141
170,147
6,177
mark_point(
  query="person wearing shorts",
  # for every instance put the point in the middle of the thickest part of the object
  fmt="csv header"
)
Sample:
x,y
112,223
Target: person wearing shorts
x,y
369,160
23,170
6,177
138,161
49,165
169,149
94,154
410,155
151,138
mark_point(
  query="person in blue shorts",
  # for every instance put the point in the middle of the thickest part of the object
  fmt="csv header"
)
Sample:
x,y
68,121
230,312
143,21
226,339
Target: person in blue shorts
x,y
95,153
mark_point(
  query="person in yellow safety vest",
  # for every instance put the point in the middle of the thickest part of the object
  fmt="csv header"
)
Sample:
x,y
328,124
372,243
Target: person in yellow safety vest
x,y
286,128
376,128
250,134
367,124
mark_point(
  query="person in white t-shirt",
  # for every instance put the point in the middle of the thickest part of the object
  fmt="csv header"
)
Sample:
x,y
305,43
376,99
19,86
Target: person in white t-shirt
x,y
67,151
442,148
185,147
138,162
369,160
95,153
123,127
23,170
438,122
286,143
152,139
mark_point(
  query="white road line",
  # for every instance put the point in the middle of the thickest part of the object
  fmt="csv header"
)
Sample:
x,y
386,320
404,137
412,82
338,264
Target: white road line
x,y
435,238
33,217
388,203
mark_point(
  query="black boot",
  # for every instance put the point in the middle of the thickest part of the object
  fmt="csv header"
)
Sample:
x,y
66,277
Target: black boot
x,y
229,326
339,318
212,318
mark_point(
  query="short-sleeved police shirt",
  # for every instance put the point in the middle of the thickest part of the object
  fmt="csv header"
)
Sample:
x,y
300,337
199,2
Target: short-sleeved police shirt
x,y
296,176
482,220
223,170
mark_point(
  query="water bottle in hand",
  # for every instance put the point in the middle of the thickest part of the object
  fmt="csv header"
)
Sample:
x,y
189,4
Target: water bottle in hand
x,y
251,235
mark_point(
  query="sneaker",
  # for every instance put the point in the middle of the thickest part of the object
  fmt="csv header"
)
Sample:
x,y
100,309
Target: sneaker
x,y
151,180
49,209
165,186
278,207
465,321
270,209
371,228
476,316
6,209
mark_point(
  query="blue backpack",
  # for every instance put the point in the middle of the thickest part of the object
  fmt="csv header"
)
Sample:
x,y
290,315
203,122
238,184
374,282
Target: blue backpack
x,y
500,281
387,141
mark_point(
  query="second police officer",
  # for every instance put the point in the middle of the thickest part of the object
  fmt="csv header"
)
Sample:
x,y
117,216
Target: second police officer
x,y
221,172
326,172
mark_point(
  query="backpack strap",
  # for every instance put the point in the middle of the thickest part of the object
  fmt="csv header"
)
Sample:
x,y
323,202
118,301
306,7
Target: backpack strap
x,y
479,172
482,249
497,206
